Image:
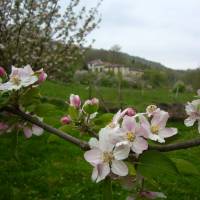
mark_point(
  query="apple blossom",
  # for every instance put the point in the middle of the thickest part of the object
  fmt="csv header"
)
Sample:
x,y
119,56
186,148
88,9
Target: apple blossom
x,y
156,130
130,112
3,127
151,110
193,110
2,72
130,134
105,157
19,77
75,101
42,76
34,130
91,106
65,120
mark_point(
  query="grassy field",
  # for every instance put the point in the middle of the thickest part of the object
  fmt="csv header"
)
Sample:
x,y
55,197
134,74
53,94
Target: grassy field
x,y
41,169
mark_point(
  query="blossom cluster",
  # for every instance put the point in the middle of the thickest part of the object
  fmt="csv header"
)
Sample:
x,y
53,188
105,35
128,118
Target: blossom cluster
x,y
82,113
20,79
125,134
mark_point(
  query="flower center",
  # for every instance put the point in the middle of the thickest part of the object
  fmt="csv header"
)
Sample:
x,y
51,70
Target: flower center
x,y
16,80
107,157
130,136
155,129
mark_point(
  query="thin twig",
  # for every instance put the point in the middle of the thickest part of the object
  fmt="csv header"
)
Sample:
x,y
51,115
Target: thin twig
x,y
84,145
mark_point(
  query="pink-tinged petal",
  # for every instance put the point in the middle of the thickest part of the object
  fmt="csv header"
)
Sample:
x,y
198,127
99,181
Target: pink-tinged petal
x,y
94,156
160,118
121,152
37,130
189,121
167,132
118,167
139,145
27,132
105,139
103,171
130,198
94,143
129,124
155,137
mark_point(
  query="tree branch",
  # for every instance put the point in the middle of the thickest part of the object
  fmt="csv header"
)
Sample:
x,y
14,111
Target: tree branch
x,y
84,145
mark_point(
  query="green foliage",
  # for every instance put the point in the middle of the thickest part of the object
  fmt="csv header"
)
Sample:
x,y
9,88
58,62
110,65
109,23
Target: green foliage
x,y
73,112
153,164
185,167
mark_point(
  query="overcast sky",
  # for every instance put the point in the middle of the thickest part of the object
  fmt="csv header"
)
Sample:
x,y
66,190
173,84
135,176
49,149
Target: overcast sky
x,y
166,31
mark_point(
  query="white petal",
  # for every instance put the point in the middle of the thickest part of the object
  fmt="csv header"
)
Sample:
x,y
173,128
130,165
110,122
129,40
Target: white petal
x,y
121,152
103,171
119,167
199,126
94,143
189,121
93,156
37,130
168,132
139,145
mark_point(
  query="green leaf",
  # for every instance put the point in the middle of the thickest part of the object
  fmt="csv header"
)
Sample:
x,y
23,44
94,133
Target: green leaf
x,y
73,112
103,119
185,167
31,96
131,168
154,164
70,130
53,139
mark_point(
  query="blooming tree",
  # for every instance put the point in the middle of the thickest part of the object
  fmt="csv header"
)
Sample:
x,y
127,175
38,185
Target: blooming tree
x,y
120,148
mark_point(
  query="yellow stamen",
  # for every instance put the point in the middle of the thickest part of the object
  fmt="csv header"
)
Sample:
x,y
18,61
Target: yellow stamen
x,y
130,136
155,129
16,80
107,157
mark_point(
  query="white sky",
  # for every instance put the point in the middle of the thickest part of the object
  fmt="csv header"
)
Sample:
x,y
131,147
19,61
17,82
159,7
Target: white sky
x,y
166,31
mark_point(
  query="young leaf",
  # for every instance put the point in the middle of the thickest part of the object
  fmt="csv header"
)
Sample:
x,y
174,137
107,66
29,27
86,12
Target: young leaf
x,y
154,164
185,167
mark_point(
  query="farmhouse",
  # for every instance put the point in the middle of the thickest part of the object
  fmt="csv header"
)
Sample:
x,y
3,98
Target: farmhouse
x,y
100,66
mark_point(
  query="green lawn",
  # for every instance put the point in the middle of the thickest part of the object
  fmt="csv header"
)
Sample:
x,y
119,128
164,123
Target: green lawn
x,y
44,169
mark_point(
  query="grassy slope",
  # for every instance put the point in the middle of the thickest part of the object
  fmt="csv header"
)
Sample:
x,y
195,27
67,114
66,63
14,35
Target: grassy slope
x,y
43,170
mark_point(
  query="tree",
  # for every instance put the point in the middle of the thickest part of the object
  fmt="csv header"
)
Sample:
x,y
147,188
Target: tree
x,y
38,33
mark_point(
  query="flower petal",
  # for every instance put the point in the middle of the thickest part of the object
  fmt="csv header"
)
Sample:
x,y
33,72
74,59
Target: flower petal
x,y
103,171
121,152
160,118
139,145
93,156
119,167
37,130
168,132
189,121
129,123
27,132
94,143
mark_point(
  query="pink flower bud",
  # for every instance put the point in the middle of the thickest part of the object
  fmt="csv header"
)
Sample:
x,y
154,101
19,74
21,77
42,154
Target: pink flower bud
x,y
65,120
130,112
2,72
75,101
3,126
42,76
94,101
